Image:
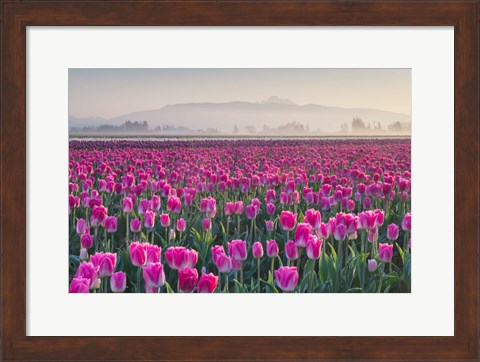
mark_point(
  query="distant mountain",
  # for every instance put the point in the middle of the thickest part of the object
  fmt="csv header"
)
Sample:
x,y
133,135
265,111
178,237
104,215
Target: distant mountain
x,y
272,112
277,100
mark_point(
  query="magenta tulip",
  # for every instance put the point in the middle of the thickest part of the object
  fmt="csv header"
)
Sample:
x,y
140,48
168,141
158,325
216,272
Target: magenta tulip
x,y
165,220
111,224
187,279
272,248
154,253
154,275
407,222
135,225
82,227
89,271
181,225
392,232
127,205
238,249
79,285
314,245
138,253
286,278
291,250
257,250
288,220
118,282
302,233
149,219
385,252
207,283
313,217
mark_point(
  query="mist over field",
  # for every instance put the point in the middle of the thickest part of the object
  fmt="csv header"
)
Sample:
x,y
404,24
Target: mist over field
x,y
240,102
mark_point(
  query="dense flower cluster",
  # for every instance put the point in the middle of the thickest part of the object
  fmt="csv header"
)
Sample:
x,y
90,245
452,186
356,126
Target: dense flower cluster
x,y
240,216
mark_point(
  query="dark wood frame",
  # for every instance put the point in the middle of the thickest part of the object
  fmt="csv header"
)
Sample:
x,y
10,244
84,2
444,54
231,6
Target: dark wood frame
x,y
16,16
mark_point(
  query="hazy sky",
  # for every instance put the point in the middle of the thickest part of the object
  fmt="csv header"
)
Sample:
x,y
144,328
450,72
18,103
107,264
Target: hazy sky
x,y
113,92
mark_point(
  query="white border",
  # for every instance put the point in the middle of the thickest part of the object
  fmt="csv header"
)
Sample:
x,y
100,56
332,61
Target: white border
x,y
428,310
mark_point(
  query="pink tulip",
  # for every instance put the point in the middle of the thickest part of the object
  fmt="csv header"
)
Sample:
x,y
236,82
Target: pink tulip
x,y
174,205
89,271
118,282
340,232
154,275
165,220
216,251
99,214
372,265
79,285
314,245
272,248
87,241
291,250
302,233
207,283
155,203
238,249
269,225
154,253
380,217
82,227
143,206
207,224
270,209
251,212
238,208
187,279
392,232
407,222
149,219
229,207
83,254
135,225
322,231
138,253
288,220
223,263
385,252
111,224
286,278
127,205
105,262
191,258
313,217
176,257
236,264
257,250
209,206
181,225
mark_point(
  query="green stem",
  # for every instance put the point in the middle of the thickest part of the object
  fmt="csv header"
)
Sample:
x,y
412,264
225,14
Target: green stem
x,y
127,231
258,273
138,279
272,266
381,278
241,273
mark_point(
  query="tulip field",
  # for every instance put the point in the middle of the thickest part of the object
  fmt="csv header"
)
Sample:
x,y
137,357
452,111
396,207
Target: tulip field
x,y
240,215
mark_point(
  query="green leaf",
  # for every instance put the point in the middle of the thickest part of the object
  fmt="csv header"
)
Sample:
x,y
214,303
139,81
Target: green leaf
x,y
304,283
334,253
241,288
169,288
402,255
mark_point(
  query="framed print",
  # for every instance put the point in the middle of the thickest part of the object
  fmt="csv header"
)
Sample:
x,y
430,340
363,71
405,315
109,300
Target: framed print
x,y
241,179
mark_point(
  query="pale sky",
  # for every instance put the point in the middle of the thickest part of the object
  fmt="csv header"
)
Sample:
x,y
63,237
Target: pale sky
x,y
113,92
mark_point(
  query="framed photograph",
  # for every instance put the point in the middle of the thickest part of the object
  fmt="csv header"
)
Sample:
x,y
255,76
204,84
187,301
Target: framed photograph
x,y
237,180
